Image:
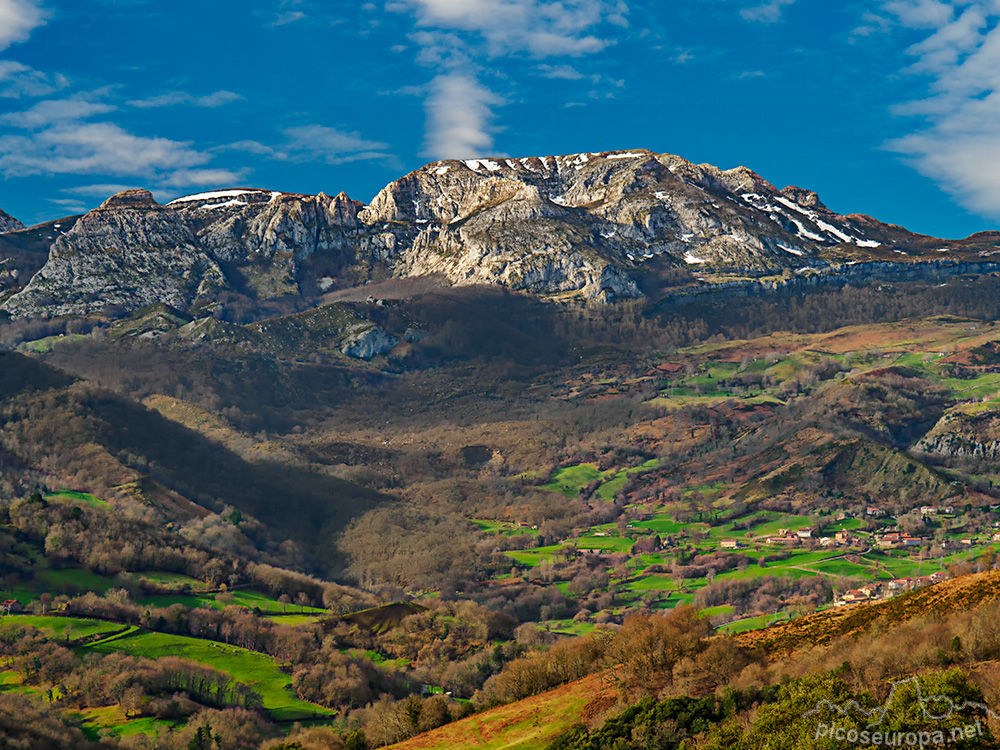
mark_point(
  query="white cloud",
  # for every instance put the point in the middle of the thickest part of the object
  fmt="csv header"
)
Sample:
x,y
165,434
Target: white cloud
x,y
317,143
18,18
921,14
101,190
460,39
320,143
17,81
768,12
53,111
174,98
543,29
283,19
58,139
564,72
959,143
459,114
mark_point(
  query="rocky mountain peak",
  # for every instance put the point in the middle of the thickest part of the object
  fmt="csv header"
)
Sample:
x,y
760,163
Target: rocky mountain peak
x,y
128,253
130,199
8,223
804,198
587,226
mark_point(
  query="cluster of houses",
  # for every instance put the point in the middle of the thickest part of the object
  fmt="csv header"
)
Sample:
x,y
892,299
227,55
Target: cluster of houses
x,y
885,590
787,536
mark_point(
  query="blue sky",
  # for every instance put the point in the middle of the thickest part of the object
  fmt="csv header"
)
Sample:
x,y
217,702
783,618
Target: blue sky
x,y
888,108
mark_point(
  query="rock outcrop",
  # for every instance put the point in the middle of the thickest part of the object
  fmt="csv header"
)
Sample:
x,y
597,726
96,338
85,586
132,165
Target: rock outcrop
x,y
282,244
369,344
970,437
585,224
129,253
8,223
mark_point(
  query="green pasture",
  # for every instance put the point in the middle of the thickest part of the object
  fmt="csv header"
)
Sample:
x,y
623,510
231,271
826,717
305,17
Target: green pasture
x,y
661,524
109,720
248,599
604,543
533,557
47,344
62,628
752,623
73,496
612,487
571,480
58,580
258,671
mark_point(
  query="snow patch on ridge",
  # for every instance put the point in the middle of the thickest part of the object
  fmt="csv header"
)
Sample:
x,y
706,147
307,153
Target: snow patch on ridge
x,y
216,195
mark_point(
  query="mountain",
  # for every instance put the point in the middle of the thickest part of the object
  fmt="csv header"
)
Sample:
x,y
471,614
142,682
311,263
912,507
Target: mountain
x,y
604,227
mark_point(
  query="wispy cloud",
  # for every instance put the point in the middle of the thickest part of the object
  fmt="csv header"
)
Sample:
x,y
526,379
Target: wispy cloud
x,y
459,117
461,39
959,143
55,111
175,98
59,138
564,72
18,80
542,29
100,190
18,18
767,12
317,143
291,16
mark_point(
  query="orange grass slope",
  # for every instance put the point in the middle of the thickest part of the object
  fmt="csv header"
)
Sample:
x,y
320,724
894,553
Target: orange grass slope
x,y
955,595
530,724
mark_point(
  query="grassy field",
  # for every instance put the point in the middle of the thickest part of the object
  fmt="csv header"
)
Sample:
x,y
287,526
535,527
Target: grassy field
x,y
534,556
62,628
752,623
571,480
257,670
613,486
530,724
110,720
249,599
73,496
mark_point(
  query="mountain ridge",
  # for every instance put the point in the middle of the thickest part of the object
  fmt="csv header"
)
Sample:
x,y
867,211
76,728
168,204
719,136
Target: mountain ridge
x,y
590,226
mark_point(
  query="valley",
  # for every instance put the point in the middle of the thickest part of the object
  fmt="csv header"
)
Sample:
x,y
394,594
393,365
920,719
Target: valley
x,y
553,453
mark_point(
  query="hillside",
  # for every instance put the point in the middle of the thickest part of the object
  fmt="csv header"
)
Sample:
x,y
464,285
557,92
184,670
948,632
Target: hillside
x,y
402,508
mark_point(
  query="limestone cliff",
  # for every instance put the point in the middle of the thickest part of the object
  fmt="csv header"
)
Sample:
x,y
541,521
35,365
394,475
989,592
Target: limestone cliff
x,y
589,226
128,253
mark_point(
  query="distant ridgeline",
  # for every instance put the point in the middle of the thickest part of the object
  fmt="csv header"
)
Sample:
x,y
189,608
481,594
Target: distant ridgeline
x,y
591,227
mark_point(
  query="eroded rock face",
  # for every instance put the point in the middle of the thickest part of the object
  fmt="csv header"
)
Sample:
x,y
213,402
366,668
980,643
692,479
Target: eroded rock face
x,y
585,226
586,223
8,223
970,437
369,344
128,253
282,243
